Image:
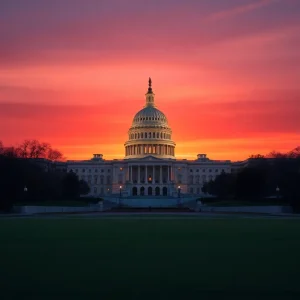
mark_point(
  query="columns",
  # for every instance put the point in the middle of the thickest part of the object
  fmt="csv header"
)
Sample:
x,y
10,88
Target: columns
x,y
130,173
146,175
153,176
160,175
127,174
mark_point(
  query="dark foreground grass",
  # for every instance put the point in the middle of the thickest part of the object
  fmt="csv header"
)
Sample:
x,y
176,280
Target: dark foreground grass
x,y
149,259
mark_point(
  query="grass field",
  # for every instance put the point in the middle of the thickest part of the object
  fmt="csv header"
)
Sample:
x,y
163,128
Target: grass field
x,y
136,258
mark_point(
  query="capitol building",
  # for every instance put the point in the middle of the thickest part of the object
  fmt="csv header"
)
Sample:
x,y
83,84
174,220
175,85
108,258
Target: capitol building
x,y
149,167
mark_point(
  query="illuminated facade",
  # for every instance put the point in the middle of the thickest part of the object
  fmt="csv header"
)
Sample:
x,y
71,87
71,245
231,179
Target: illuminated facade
x,y
150,167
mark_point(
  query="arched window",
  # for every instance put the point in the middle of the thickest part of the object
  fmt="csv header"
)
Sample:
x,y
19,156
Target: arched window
x,y
142,135
145,135
149,135
138,135
157,135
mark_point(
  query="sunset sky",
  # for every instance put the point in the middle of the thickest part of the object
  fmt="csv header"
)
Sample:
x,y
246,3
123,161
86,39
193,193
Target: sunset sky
x,y
225,72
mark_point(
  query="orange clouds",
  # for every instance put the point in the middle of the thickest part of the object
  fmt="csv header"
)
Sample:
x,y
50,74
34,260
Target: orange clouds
x,y
226,73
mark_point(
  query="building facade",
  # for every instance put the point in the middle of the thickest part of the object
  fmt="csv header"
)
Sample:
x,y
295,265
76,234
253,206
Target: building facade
x,y
150,167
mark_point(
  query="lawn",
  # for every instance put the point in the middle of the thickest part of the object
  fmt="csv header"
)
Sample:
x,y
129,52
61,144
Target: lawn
x,y
148,258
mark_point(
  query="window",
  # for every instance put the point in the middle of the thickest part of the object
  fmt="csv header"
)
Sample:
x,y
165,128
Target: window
x,y
120,179
157,135
101,179
203,170
76,170
142,135
95,179
108,171
149,135
191,170
216,170
83,170
108,179
96,170
210,170
102,170
179,178
95,190
145,135
90,170
197,170
191,190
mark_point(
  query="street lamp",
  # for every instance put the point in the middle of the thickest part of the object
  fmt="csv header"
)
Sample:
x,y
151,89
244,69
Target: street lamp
x,y
277,192
178,194
25,192
120,195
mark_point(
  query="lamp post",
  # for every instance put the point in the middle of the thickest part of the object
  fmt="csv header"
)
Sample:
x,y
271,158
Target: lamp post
x,y
178,194
120,195
277,193
25,192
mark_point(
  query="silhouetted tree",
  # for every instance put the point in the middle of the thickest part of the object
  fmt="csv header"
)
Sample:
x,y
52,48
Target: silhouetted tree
x,y
36,149
84,188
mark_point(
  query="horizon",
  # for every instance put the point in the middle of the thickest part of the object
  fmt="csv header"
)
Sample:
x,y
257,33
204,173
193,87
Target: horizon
x,y
226,75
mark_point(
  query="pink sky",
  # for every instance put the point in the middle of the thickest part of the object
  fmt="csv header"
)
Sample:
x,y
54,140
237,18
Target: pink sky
x,y
226,74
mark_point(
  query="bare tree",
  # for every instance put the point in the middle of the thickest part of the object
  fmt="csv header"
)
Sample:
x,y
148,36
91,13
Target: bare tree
x,y
36,149
54,154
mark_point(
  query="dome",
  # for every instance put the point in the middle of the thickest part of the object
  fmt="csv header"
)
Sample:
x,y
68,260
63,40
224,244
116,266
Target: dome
x,y
149,133
150,116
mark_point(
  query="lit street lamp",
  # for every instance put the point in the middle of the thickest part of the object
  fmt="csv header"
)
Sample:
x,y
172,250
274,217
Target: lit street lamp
x,y
277,192
120,195
178,194
25,192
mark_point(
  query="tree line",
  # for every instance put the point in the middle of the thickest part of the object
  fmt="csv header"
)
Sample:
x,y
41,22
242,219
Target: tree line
x,y
274,175
26,177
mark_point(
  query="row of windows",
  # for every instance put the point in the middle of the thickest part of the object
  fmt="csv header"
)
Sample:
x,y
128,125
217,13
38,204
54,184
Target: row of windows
x,y
94,180
149,119
150,135
89,170
198,177
210,170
